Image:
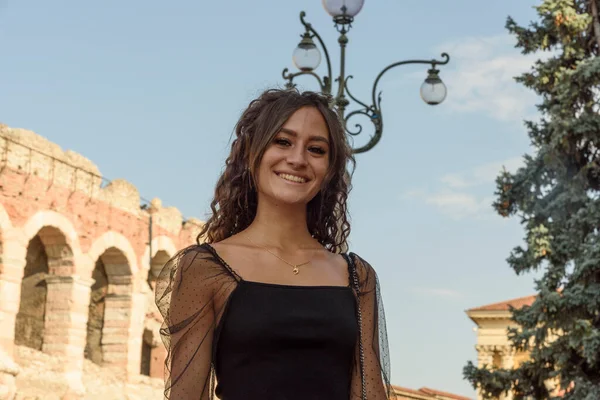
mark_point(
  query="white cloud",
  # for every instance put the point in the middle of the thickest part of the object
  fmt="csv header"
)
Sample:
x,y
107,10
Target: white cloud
x,y
480,78
458,205
414,193
451,197
482,174
454,181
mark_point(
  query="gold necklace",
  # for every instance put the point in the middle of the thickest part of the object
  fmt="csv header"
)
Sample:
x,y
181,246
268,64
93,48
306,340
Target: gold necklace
x,y
295,269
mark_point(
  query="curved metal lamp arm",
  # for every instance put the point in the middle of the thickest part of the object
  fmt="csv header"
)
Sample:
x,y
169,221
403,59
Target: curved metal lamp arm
x,y
309,27
432,62
375,117
290,77
326,83
345,85
374,110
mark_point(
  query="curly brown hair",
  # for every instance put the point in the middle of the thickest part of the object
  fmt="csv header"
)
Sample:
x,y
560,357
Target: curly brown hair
x,y
235,201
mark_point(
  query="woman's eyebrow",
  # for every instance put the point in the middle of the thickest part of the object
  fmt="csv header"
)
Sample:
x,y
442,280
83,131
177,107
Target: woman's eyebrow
x,y
317,138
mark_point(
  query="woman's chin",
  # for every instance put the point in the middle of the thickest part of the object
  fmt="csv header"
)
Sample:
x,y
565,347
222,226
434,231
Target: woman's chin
x,y
291,200
287,197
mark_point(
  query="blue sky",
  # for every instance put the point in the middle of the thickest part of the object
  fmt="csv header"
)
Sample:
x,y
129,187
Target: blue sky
x,y
150,92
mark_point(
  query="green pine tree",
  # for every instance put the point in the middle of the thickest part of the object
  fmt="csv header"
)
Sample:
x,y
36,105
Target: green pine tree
x,y
557,197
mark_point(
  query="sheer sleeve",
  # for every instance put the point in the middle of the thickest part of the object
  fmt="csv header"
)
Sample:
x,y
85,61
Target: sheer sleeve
x,y
190,296
371,373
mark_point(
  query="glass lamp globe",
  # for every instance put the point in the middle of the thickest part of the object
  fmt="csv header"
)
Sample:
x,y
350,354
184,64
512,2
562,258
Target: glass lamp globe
x,y
343,11
306,56
433,90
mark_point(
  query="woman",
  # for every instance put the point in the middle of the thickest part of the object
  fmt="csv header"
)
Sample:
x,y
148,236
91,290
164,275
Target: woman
x,y
270,306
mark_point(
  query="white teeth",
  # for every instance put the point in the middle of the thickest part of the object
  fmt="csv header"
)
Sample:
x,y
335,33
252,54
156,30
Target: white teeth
x,y
292,178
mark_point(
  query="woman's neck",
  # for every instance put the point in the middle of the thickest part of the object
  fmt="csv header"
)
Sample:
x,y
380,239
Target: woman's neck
x,y
281,227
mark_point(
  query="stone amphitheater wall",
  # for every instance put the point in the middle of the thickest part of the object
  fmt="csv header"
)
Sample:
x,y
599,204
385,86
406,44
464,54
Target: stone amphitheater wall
x,y
77,262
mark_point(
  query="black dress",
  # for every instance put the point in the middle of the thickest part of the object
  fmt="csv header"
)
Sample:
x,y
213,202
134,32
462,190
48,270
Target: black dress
x,y
251,340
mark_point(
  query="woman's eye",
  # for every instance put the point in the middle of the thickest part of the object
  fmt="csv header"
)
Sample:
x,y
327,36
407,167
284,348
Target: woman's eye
x,y
317,150
282,142
286,143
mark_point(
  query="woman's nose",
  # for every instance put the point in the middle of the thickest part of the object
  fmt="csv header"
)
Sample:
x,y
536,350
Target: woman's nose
x,y
297,156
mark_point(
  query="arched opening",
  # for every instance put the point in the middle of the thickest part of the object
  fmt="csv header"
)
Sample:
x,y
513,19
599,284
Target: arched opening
x,y
95,325
152,358
29,324
146,361
158,262
109,314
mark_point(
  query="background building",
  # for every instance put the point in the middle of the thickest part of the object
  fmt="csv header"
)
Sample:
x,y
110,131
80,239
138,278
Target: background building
x,y
493,347
425,393
77,262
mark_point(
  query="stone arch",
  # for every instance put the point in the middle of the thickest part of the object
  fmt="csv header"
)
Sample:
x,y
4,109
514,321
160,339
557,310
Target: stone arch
x,y
159,243
30,320
116,310
110,297
112,261
5,223
158,262
117,244
153,354
11,271
46,219
49,244
47,253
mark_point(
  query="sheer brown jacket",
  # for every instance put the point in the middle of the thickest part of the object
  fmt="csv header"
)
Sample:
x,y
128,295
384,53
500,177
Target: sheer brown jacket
x,y
192,292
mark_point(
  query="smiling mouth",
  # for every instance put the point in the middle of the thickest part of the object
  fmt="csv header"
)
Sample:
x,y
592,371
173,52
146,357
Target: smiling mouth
x,y
292,178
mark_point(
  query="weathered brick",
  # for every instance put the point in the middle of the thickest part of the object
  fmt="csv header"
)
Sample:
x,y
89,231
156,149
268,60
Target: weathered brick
x,y
59,198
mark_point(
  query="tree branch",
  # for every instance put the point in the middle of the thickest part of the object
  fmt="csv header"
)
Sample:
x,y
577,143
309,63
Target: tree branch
x,y
596,22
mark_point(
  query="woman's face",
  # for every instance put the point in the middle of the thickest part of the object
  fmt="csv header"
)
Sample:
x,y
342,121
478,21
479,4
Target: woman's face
x,y
295,163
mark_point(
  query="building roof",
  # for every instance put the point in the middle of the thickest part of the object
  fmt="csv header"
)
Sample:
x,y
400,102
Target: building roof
x,y
425,393
504,305
444,395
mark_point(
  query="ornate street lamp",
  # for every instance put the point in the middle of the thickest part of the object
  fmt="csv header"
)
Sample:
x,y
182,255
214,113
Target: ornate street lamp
x,y
307,58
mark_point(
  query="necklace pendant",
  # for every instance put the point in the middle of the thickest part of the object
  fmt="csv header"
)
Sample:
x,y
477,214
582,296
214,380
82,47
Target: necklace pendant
x,y
295,270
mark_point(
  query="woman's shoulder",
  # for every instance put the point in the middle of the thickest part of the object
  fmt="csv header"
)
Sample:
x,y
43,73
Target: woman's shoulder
x,y
193,269
197,259
360,263
191,254
367,276
190,279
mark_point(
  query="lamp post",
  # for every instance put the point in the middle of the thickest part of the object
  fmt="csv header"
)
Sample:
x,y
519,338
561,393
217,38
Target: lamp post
x,y
307,58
